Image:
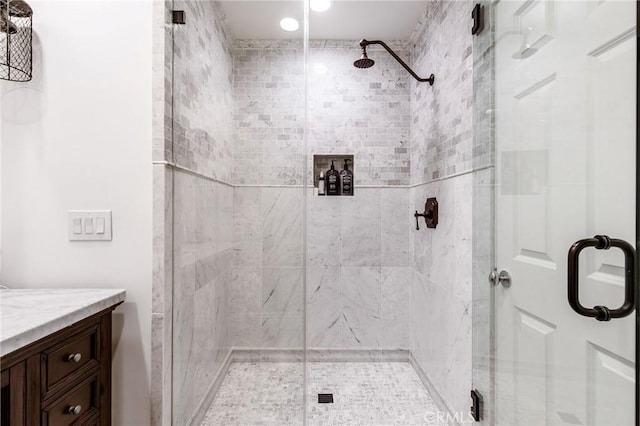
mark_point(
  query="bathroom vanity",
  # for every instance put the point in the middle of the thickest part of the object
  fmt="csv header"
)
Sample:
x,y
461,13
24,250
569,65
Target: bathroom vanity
x,y
55,348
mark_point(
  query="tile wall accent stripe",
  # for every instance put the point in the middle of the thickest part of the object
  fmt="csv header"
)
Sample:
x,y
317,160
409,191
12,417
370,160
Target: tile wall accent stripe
x,y
213,179
192,172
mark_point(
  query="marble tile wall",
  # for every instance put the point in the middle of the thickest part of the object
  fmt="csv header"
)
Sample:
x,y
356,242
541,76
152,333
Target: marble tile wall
x,y
361,112
268,80
441,115
358,269
193,207
441,292
203,251
266,286
202,91
364,112
442,166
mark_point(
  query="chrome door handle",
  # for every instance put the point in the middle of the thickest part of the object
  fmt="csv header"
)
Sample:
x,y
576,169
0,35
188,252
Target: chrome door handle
x,y
504,278
602,313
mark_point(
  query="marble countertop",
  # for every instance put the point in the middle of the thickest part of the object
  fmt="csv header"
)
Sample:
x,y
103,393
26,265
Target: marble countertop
x,y
27,315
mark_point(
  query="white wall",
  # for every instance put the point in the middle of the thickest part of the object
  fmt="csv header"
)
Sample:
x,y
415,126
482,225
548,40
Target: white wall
x,y
79,137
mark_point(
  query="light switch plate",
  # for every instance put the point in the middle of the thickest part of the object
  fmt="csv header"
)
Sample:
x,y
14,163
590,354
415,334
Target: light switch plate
x,y
89,233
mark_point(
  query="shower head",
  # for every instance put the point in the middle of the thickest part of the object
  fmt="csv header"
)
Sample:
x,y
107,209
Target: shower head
x,y
364,61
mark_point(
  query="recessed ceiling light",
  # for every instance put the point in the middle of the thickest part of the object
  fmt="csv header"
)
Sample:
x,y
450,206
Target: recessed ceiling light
x,y
319,5
289,24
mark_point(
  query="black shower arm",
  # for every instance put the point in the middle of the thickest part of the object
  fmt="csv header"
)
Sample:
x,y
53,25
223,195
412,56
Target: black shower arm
x,y
365,43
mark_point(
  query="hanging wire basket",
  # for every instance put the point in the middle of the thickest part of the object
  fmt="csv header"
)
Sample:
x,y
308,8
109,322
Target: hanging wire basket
x,y
16,51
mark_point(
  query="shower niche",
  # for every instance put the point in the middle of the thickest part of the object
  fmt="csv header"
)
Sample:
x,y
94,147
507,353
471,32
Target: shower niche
x,y
333,181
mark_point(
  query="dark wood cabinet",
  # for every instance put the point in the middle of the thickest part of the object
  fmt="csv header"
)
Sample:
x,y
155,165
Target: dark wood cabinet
x,y
62,379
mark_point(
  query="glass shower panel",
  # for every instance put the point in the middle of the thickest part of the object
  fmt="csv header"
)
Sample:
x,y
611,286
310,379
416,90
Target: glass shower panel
x,y
237,126
369,321
565,149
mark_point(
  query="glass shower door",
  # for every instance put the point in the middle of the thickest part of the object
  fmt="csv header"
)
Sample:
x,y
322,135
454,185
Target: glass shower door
x,y
565,134
235,162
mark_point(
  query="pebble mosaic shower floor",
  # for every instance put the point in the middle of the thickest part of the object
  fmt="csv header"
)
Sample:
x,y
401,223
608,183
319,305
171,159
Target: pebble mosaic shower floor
x,y
365,393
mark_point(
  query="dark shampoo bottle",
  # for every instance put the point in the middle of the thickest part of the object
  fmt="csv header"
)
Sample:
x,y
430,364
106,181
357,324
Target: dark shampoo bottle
x,y
346,176
332,180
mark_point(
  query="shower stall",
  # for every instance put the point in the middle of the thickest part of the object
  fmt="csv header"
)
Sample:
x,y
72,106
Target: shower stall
x,y
454,276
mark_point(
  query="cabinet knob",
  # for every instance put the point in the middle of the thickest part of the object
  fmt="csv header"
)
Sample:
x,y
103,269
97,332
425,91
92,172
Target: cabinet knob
x,y
74,409
74,357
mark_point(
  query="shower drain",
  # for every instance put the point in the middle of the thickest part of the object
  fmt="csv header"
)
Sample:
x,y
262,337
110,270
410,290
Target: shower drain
x,y
325,398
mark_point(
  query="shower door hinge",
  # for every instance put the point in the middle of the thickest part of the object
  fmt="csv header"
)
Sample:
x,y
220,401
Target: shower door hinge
x,y
476,406
478,19
177,17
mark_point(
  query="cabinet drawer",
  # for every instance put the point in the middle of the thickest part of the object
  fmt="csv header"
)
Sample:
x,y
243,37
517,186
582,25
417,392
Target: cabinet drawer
x,y
78,353
78,406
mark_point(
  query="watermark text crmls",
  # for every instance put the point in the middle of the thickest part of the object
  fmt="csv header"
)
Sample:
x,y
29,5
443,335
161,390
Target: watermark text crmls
x,y
445,417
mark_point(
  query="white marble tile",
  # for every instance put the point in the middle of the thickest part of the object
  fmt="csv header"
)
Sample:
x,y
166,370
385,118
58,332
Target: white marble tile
x,y
203,262
463,255
442,268
365,393
324,306
184,227
438,335
247,216
247,226
422,239
396,226
282,331
157,367
245,295
207,326
247,253
395,307
462,368
361,310
361,228
245,329
259,393
324,230
183,341
281,291
282,225
420,328
162,239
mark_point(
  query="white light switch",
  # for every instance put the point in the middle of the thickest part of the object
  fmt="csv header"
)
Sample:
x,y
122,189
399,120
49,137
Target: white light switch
x,y
100,225
89,225
77,225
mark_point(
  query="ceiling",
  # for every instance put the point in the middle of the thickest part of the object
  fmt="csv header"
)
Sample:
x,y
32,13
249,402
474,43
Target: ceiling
x,y
345,20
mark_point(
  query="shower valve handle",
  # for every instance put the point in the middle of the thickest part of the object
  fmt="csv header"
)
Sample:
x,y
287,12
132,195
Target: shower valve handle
x,y
427,215
430,214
